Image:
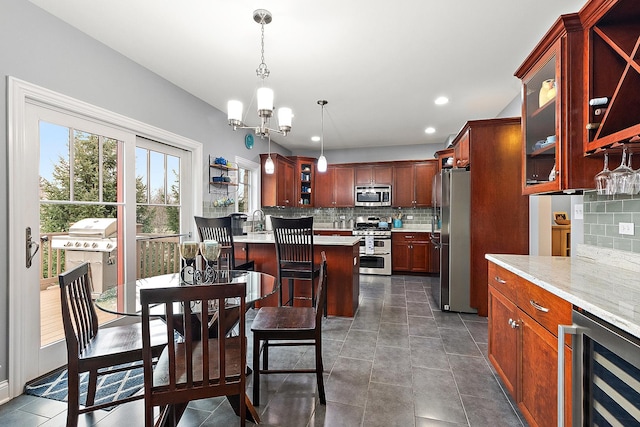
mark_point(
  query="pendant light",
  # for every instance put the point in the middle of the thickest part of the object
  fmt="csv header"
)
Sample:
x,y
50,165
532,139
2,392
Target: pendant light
x,y
322,160
269,167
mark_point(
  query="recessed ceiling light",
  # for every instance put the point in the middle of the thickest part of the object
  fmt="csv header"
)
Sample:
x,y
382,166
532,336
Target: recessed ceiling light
x,y
430,130
441,100
315,138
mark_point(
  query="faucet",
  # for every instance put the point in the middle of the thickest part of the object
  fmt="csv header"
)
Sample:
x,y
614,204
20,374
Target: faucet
x,y
261,218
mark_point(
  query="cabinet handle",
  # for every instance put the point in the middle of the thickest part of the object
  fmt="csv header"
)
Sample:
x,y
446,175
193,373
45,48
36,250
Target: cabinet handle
x,y
538,306
513,323
499,280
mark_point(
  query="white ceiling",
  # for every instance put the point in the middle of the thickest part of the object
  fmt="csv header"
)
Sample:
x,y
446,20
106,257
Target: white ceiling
x,y
380,64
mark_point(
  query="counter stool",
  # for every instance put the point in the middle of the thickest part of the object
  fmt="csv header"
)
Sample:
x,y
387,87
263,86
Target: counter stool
x,y
290,326
295,256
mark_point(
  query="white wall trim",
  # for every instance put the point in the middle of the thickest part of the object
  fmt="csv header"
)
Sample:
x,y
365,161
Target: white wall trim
x,y
4,392
19,93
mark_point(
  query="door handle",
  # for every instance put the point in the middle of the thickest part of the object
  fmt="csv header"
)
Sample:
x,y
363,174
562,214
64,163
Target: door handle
x,y
29,243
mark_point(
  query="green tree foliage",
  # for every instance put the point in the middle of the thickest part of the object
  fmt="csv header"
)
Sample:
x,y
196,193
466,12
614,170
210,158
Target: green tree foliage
x,y
82,184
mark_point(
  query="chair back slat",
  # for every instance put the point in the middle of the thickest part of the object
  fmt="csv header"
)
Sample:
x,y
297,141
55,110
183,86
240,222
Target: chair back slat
x,y
196,366
321,294
79,317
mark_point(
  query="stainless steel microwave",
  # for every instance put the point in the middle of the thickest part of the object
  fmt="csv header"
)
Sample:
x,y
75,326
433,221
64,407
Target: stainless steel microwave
x,y
373,195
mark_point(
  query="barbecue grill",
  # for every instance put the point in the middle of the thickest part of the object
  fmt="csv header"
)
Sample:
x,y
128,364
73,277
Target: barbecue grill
x,y
92,240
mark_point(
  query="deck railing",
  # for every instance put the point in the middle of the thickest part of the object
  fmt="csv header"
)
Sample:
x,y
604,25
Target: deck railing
x,y
156,254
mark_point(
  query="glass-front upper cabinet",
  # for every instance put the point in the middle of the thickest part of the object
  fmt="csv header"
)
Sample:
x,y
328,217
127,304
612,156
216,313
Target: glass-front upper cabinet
x,y
540,123
552,122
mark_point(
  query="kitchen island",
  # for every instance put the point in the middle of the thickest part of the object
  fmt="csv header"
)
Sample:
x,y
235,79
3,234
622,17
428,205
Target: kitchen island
x,y
537,302
343,267
600,281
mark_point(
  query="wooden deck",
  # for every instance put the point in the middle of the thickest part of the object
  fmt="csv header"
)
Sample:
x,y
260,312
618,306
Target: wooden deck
x,y
51,316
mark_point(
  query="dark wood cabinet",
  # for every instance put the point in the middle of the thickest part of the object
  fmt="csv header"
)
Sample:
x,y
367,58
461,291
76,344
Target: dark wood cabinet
x,y
495,171
305,181
553,101
503,343
612,71
410,252
412,183
434,259
461,152
380,173
523,345
335,187
278,189
332,232
442,158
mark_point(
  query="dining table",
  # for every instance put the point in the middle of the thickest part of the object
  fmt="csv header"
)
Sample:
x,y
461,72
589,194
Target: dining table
x,y
124,299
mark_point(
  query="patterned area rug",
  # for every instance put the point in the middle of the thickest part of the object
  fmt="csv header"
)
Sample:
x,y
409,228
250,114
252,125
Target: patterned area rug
x,y
110,386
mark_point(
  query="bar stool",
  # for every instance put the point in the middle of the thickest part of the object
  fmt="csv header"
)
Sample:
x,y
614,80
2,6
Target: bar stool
x,y
219,229
295,256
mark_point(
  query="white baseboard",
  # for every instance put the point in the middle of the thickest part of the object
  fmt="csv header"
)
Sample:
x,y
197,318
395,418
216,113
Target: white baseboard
x,y
4,392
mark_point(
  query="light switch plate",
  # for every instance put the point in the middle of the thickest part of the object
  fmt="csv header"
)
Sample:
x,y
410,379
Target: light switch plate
x,y
578,212
409,216
626,228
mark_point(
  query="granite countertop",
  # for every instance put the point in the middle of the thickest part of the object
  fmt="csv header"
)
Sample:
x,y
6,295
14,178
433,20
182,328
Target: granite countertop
x,y
601,281
317,240
410,228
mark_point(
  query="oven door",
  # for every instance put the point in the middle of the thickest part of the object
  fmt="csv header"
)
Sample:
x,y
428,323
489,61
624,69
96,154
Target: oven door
x,y
375,264
606,373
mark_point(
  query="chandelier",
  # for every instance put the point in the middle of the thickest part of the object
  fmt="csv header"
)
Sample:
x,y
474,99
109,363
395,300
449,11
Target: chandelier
x,y
264,96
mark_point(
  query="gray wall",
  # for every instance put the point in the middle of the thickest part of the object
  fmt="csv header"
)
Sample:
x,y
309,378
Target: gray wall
x,y
389,153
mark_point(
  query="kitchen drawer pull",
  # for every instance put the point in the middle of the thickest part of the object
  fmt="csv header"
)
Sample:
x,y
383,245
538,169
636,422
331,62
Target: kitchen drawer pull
x,y
499,280
538,306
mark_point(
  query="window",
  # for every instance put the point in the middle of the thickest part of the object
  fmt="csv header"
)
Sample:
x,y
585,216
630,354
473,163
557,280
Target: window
x,y
248,186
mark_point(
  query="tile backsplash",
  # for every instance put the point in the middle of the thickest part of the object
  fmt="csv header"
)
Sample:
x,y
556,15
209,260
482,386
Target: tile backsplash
x,y
602,214
329,215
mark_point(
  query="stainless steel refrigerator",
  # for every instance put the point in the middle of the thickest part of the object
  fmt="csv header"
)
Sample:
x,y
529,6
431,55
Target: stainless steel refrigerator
x,y
452,200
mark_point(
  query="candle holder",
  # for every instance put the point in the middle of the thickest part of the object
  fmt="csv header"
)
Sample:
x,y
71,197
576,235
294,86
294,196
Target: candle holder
x,y
210,252
188,252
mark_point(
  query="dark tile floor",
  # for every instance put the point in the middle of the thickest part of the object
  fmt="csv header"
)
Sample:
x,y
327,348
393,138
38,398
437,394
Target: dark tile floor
x,y
399,362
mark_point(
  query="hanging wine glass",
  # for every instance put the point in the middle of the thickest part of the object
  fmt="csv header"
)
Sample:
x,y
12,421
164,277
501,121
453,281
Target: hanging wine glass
x,y
603,178
622,176
210,251
636,178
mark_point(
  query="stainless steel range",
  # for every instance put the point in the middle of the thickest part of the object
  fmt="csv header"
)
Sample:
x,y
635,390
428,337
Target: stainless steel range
x,y
92,240
375,245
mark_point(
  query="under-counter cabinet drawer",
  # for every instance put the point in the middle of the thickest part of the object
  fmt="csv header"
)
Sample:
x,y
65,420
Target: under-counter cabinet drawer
x,y
544,307
503,280
523,344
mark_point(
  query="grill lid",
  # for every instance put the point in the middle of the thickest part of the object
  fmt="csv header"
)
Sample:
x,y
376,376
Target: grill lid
x,y
94,227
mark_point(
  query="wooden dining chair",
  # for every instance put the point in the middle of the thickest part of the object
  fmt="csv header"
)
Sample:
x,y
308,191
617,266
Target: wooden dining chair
x,y
93,349
190,368
295,257
219,229
289,326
